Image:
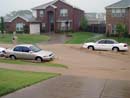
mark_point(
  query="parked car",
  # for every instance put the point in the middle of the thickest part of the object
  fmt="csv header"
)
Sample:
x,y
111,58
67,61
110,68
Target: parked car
x,y
106,44
30,52
2,51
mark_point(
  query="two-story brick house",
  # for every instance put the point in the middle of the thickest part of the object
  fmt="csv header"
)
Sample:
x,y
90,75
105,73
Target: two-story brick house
x,y
58,15
118,13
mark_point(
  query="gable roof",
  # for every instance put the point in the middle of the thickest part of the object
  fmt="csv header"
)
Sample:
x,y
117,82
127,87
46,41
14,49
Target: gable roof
x,y
120,4
24,14
44,6
95,16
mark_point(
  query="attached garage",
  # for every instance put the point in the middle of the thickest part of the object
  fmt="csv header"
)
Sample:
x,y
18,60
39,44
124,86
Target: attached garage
x,y
34,28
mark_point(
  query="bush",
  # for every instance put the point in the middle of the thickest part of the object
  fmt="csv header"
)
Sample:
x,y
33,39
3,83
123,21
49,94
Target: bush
x,y
121,30
83,24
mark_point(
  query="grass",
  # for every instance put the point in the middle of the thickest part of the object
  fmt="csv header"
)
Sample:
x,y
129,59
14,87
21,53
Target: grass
x,y
23,62
80,37
24,38
121,40
11,80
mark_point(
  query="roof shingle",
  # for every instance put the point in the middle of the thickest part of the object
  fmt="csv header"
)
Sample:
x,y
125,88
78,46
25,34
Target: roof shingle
x,y
120,4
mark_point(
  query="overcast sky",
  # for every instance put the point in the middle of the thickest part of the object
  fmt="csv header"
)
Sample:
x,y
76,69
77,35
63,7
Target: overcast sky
x,y
7,6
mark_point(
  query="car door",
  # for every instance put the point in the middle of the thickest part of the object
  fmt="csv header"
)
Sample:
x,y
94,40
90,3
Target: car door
x,y
26,54
17,52
100,45
109,44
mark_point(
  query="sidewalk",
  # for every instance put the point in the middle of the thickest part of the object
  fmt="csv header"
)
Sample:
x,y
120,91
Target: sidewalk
x,y
75,87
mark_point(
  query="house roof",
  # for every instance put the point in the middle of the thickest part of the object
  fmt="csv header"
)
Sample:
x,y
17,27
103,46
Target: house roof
x,y
24,14
120,4
44,6
95,16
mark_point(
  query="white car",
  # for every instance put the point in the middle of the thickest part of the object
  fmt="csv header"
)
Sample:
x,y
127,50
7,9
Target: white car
x,y
29,51
106,44
2,51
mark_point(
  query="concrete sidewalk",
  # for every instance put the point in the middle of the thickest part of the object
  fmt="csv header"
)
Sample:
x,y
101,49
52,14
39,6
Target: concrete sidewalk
x,y
75,87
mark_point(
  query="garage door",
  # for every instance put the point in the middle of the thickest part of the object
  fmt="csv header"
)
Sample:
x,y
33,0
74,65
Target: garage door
x,y
34,28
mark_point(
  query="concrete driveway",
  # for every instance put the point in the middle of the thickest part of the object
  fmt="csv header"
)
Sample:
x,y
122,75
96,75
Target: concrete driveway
x,y
90,75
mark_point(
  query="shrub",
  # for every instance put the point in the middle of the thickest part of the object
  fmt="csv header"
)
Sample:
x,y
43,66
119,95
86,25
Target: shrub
x,y
83,24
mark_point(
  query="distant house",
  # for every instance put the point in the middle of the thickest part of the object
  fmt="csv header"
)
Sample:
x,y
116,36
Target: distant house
x,y
58,15
118,13
96,22
20,21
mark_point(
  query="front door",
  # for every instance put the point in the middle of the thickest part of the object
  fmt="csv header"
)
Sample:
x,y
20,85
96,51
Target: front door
x,y
51,21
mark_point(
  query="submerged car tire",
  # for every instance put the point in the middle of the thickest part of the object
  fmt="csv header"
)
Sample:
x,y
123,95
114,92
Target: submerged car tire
x,y
90,48
12,57
115,49
38,59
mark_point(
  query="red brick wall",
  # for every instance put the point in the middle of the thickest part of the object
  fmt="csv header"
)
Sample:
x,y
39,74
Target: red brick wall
x,y
11,26
78,15
73,14
110,20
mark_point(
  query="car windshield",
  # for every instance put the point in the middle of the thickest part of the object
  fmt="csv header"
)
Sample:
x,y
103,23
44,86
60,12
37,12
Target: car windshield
x,y
35,49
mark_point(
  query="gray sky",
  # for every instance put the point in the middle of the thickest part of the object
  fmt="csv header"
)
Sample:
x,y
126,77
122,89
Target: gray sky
x,y
7,6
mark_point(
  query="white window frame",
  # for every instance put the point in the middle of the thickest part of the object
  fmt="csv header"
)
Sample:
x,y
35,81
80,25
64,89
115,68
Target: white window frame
x,y
41,12
118,12
64,12
62,26
20,27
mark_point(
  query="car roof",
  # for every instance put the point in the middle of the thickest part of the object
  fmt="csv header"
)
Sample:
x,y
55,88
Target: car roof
x,y
25,45
108,39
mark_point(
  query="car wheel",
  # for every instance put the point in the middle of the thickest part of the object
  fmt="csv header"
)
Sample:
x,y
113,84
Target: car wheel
x,y
90,48
12,57
115,49
39,59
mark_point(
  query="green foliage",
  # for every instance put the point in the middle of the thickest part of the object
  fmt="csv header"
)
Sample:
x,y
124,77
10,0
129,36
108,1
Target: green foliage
x,y
83,24
80,37
121,29
24,38
2,25
24,63
11,80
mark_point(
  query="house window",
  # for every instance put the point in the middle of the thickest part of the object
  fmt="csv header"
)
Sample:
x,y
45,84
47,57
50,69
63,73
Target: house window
x,y
41,13
64,26
63,12
114,29
118,12
19,27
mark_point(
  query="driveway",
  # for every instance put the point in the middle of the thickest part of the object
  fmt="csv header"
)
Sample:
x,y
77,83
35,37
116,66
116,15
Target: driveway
x,y
56,38
90,75
68,86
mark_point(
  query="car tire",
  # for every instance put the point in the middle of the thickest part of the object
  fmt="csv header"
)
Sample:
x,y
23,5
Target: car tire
x,y
39,59
115,49
12,57
90,48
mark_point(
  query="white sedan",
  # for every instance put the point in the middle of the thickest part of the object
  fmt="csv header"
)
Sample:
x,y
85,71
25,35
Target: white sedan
x,y
2,51
106,44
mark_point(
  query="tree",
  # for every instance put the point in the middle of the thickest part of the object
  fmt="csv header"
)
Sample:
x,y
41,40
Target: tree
x,y
83,24
121,29
2,25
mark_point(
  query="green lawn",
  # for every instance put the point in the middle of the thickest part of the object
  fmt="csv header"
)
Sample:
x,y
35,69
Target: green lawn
x,y
11,80
24,38
81,37
122,39
23,62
